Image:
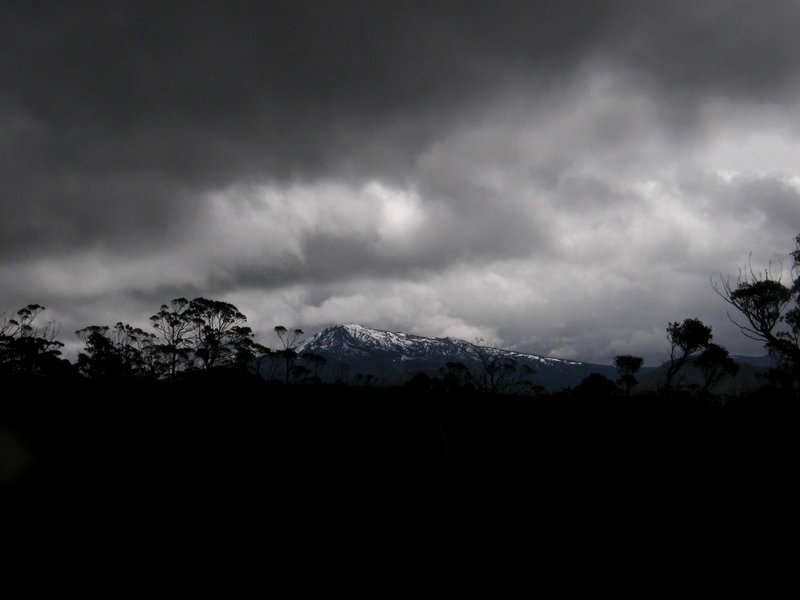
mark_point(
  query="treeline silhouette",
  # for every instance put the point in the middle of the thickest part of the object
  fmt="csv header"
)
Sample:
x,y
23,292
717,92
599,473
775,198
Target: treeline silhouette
x,y
191,340
202,340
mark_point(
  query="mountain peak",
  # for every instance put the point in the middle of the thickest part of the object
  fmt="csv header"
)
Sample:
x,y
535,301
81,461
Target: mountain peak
x,y
355,339
395,356
359,338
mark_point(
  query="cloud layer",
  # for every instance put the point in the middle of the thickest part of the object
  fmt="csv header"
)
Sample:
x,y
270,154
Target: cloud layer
x,y
557,178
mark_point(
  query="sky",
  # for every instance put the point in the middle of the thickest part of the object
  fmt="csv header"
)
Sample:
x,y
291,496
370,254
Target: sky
x,y
556,177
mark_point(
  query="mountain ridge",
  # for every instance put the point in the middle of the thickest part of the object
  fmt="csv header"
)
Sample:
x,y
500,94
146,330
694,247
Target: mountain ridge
x,y
356,353
394,357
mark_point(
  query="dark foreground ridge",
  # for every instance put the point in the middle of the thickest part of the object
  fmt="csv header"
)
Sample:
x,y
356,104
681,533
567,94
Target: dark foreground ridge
x,y
238,471
223,437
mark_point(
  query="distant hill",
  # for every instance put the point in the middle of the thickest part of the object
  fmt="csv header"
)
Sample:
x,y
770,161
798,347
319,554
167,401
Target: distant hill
x,y
395,357
749,378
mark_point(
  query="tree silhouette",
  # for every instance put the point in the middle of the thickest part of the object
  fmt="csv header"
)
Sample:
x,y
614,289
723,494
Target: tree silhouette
x,y
219,335
138,349
771,311
117,353
715,363
457,375
288,340
497,373
500,374
27,348
627,366
173,324
250,356
595,386
685,340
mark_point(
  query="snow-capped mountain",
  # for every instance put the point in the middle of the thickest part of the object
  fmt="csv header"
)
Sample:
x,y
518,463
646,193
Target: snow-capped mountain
x,y
394,357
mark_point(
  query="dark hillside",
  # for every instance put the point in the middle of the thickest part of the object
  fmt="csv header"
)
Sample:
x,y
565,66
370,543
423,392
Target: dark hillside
x,y
225,438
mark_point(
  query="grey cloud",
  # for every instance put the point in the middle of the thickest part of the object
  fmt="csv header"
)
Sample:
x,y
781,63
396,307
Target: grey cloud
x,y
68,212
766,203
733,49
772,199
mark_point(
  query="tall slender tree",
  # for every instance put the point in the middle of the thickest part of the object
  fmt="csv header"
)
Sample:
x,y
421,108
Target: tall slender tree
x,y
288,340
173,324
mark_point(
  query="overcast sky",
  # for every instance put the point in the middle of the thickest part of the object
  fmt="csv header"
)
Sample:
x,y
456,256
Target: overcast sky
x,y
559,177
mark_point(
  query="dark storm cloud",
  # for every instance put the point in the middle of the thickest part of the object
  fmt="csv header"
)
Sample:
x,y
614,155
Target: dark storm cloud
x,y
130,108
733,48
276,81
207,93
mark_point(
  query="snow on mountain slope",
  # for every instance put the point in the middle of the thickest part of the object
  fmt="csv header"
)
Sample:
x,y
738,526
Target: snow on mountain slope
x,y
357,340
394,356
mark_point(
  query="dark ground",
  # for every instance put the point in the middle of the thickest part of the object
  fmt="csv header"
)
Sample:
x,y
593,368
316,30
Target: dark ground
x,y
279,482
220,437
